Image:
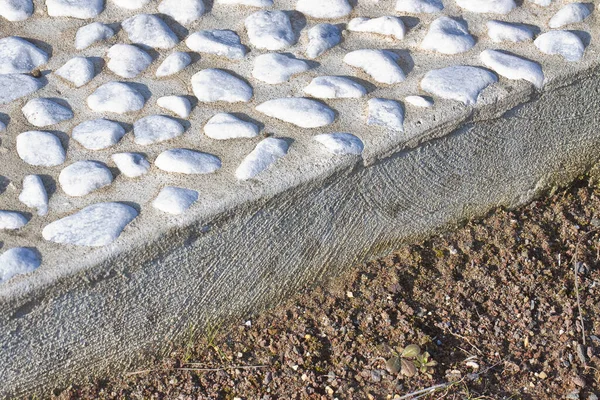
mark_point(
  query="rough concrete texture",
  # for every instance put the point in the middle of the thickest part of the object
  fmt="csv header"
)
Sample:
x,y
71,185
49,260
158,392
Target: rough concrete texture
x,y
245,245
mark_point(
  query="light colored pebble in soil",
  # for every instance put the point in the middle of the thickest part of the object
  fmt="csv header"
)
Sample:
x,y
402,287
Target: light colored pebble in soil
x,y
34,194
500,31
513,67
321,38
178,105
570,14
563,43
184,161
89,34
225,126
40,149
419,6
98,134
341,143
447,36
331,9
222,42
18,56
302,112
213,84
127,60
175,200
460,83
84,177
130,4
270,30
82,9
335,87
78,71
386,113
155,129
275,68
264,154
149,30
183,11
11,220
96,225
250,3
132,165
173,64
387,26
16,10
487,6
419,101
15,86
381,65
45,112
116,97
17,261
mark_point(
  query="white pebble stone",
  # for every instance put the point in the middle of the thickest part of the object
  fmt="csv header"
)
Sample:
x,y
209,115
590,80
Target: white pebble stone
x,y
500,31
335,87
331,9
487,6
15,86
386,113
96,225
301,112
173,64
16,10
11,220
17,261
381,65
570,14
149,30
387,25
34,194
418,101
460,83
130,4
341,143
131,165
264,154
83,177
18,56
98,134
513,67
175,200
183,11
155,129
127,61
419,6
116,97
224,126
270,30
447,36
92,33
321,38
2,126
543,3
222,42
78,71
275,68
45,112
184,161
82,9
213,84
563,43
40,149
251,3
178,105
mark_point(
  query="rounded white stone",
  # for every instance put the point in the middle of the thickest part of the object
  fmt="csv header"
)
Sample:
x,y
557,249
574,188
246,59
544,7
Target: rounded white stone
x,y
116,97
387,25
18,56
500,31
335,87
183,11
17,261
15,86
16,10
487,6
543,3
251,3
184,161
321,38
419,6
11,220
275,68
513,67
92,33
78,71
301,112
222,42
418,101
127,61
155,129
381,65
225,126
130,4
45,112
175,200
149,30
330,9
173,64
570,14
264,154
341,143
387,113
563,43
178,105
40,149
98,134
270,30
83,177
447,36
210,85
460,83
82,9
34,194
131,165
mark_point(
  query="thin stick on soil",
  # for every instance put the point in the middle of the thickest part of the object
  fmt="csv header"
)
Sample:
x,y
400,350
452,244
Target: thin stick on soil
x,y
221,369
424,392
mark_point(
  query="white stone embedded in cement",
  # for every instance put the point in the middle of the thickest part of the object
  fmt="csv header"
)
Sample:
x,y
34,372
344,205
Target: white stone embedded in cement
x,y
98,134
178,105
419,6
127,60
183,11
381,65
16,10
513,67
184,161
78,71
175,200
330,9
82,9
543,3
40,149
15,86
18,260
570,14
222,42
18,56
225,126
487,6
251,3
155,129
84,177
11,220
419,101
116,97
563,43
149,30
447,36
173,64
386,113
96,225
130,4
275,68
45,112
341,143
92,33
321,38
270,30
210,85
131,165
501,31
34,194
2,126
305,113
386,25
335,87
461,83
264,154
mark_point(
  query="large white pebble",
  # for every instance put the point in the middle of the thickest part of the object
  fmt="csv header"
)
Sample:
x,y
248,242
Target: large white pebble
x,y
178,105
98,134
570,14
419,6
513,67
447,36
270,30
330,9
275,68
34,194
184,161
83,177
387,25
40,149
487,6
149,30
460,83
213,84
305,113
500,31
173,64
222,42
127,60
131,165
155,129
45,112
563,43
224,126
341,143
18,56
82,9
183,11
78,71
335,87
386,113
131,4
381,65
15,86
116,97
11,220
264,154
321,38
18,260
16,10
175,200
92,33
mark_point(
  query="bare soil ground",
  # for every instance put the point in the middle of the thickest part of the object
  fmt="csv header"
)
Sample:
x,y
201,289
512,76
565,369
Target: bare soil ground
x,y
507,307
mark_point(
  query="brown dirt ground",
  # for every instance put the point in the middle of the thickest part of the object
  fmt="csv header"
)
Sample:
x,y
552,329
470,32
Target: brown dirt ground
x,y
495,304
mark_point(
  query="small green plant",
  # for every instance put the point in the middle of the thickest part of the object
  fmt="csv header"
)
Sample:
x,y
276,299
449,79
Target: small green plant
x,y
410,360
